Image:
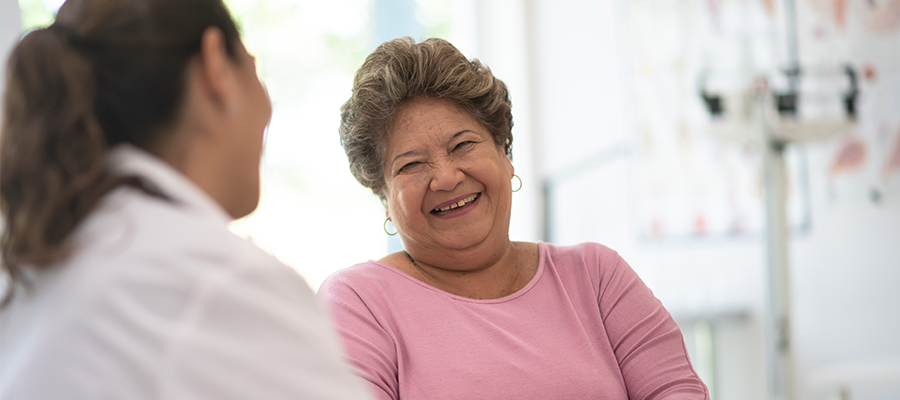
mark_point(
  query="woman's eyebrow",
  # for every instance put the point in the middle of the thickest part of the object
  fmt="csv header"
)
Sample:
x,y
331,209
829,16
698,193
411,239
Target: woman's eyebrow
x,y
457,134
408,153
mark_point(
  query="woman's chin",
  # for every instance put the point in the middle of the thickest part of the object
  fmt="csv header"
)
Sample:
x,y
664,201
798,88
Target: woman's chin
x,y
470,239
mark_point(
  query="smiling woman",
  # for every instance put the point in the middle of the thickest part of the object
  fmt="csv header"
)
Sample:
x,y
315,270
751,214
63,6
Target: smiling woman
x,y
464,312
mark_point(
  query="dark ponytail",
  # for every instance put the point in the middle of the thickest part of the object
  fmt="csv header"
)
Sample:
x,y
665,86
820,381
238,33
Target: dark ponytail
x,y
52,149
106,72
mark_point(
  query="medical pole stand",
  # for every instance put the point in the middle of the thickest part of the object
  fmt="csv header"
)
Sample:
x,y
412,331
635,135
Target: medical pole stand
x,y
773,126
778,307
778,310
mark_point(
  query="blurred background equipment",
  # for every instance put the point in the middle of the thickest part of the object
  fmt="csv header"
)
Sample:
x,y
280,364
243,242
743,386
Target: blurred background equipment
x,y
767,118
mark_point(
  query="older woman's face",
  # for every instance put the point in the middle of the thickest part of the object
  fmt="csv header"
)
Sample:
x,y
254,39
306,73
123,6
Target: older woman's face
x,y
447,181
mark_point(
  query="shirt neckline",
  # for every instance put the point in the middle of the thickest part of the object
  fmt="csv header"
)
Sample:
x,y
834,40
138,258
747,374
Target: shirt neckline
x,y
510,297
126,159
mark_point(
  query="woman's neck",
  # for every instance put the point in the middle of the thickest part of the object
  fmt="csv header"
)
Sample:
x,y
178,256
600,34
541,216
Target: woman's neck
x,y
491,278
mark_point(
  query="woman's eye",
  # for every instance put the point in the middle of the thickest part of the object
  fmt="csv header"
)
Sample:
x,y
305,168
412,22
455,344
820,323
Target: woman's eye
x,y
409,166
463,144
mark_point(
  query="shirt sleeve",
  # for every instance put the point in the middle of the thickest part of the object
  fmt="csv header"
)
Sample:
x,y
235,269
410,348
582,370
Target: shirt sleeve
x,y
257,333
369,346
646,340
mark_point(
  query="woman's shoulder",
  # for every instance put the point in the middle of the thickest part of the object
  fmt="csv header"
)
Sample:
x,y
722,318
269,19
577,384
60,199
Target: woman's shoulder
x,y
589,253
371,290
582,264
364,277
176,289
129,222
136,246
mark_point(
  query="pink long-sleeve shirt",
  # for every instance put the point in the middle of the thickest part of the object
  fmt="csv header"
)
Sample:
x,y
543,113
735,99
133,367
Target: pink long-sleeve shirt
x,y
585,327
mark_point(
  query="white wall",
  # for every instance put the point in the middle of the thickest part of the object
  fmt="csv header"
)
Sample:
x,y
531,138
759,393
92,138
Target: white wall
x,y
846,292
10,29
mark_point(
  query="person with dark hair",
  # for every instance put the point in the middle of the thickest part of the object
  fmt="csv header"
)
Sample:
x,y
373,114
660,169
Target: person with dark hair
x,y
132,134
463,312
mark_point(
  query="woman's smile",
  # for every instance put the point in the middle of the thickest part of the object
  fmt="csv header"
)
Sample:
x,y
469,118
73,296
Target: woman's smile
x,y
456,208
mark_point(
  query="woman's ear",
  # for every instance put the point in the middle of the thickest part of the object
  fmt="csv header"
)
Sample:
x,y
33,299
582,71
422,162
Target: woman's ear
x,y
384,203
215,67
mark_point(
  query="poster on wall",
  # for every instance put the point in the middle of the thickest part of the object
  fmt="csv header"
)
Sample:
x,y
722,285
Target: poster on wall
x,y
864,164
690,184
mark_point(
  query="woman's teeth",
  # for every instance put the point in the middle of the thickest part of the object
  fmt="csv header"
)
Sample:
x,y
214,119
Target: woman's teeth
x,y
461,203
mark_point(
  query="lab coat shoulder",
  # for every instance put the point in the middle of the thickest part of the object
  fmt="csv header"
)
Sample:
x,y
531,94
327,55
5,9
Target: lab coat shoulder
x,y
160,299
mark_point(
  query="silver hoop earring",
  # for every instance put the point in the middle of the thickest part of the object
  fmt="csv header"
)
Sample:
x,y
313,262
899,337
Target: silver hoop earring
x,y
384,226
520,183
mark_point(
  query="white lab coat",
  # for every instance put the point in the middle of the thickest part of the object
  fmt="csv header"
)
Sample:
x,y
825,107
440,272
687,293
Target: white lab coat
x,y
161,301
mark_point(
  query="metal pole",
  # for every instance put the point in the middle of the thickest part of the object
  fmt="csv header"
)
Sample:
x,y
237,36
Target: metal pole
x,y
778,313
778,316
790,20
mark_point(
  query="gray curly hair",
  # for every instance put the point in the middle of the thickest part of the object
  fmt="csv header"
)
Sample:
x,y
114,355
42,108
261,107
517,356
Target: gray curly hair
x,y
400,70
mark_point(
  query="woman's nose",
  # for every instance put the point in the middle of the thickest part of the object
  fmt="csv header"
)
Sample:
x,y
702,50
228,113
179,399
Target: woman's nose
x,y
445,176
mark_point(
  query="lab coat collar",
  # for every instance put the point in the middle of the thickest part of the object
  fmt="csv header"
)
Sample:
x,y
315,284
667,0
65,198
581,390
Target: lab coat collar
x,y
126,159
